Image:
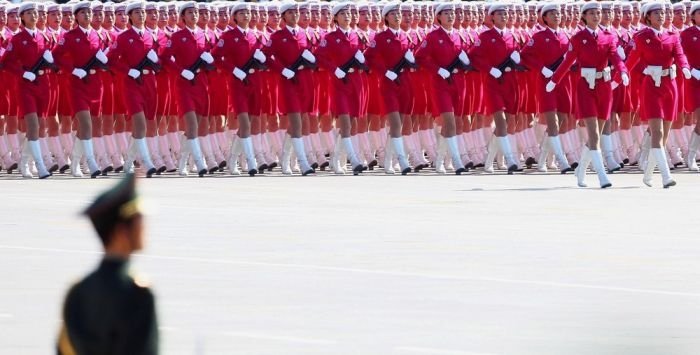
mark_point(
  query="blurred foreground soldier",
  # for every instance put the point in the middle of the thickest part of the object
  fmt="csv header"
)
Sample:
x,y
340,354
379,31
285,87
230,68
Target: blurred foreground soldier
x,y
110,312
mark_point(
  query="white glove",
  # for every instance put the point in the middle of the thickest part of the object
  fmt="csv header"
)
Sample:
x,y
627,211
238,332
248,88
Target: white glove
x,y
29,76
625,79
339,73
48,56
515,56
134,74
152,56
464,58
79,73
686,73
206,56
695,73
106,51
101,57
646,71
260,56
495,73
547,73
360,57
391,75
288,73
550,86
308,56
240,74
443,73
621,53
614,85
187,74
409,57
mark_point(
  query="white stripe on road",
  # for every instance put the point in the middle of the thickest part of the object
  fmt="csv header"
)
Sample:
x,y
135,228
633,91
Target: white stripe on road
x,y
384,272
434,351
282,338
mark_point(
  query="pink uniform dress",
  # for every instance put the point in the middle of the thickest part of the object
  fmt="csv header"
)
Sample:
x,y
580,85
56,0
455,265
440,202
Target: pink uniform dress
x,y
234,49
127,52
545,49
186,46
336,49
23,52
384,53
592,52
75,50
283,49
690,39
438,50
658,98
491,50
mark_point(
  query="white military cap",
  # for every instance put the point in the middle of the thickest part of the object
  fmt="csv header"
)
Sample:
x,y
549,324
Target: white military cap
x,y
186,5
30,5
549,7
389,7
497,7
81,5
651,6
136,5
288,6
591,5
240,6
444,6
695,7
340,6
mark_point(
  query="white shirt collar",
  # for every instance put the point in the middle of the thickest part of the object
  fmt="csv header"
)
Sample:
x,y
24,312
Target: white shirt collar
x,y
292,29
446,31
243,30
193,31
592,31
657,32
31,32
139,31
556,32
500,31
395,32
346,33
85,30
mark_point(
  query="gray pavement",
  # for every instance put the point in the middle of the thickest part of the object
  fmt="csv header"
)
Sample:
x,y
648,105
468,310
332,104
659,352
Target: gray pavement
x,y
482,264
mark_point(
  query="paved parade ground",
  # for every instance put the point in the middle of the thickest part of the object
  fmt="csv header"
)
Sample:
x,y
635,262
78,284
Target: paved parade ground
x,y
375,264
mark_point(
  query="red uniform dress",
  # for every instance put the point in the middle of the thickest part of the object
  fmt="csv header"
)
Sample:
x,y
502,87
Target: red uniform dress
x,y
107,77
23,52
52,38
8,106
234,49
419,91
283,49
186,46
438,50
218,96
544,49
621,94
592,54
690,39
336,49
384,53
161,39
74,50
658,99
127,52
490,51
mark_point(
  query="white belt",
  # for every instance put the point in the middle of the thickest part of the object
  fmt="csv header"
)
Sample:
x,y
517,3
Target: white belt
x,y
591,75
656,72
